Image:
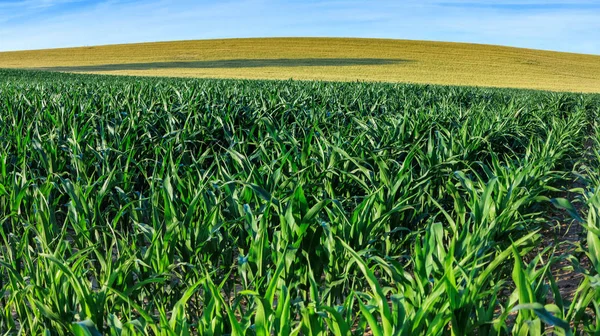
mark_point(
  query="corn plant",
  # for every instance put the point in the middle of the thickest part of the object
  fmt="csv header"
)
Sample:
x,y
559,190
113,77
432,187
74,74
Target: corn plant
x,y
146,206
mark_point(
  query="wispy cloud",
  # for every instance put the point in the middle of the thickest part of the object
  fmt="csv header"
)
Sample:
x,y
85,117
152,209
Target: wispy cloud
x,y
25,4
558,25
524,5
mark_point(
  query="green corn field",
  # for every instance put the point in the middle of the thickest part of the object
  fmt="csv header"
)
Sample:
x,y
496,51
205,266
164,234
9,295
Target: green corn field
x,y
148,206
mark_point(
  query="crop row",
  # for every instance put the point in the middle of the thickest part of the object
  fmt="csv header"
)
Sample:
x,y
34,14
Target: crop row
x,y
173,207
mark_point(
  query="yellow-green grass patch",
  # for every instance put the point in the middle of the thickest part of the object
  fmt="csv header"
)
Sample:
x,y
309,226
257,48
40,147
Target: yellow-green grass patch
x,y
335,59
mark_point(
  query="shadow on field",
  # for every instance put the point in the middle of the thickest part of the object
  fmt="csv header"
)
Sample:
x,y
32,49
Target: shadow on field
x,y
232,64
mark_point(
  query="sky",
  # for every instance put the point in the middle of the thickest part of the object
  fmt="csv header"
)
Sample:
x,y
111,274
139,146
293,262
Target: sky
x,y
572,26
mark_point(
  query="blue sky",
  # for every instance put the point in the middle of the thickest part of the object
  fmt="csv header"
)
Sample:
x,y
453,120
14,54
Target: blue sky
x,y
555,25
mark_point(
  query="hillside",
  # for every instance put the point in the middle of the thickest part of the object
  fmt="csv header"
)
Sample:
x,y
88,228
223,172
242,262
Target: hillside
x,y
336,59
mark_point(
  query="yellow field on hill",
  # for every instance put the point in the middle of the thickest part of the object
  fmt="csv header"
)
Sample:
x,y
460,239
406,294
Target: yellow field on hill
x,y
337,59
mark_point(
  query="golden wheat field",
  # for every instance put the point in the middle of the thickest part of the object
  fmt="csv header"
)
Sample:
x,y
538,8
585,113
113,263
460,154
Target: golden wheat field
x,y
335,59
